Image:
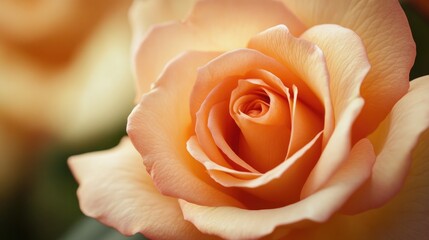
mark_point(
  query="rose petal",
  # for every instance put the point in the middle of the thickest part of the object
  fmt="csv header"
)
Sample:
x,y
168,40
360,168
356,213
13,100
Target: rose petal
x,y
404,217
221,73
305,60
143,14
202,131
306,122
394,141
235,64
225,133
290,174
116,189
159,128
213,25
347,66
384,30
214,85
235,223
336,151
262,140
346,59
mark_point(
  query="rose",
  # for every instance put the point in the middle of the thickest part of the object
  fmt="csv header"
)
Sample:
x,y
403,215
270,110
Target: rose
x,y
53,60
53,54
326,106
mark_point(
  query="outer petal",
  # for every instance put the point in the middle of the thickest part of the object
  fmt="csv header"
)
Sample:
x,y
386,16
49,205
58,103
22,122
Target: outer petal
x,y
213,25
159,128
404,217
394,141
235,223
346,59
348,65
384,30
116,189
143,14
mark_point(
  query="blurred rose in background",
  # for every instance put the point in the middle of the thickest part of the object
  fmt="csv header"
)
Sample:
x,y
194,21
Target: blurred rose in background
x,y
65,82
66,88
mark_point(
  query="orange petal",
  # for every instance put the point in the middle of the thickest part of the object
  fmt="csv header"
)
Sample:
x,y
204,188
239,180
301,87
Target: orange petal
x,y
336,150
306,122
270,186
235,223
306,61
159,128
213,25
346,59
222,73
116,189
206,139
384,30
264,134
225,133
233,65
394,140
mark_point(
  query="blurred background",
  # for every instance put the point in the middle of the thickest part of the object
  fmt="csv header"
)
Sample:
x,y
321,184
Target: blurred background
x,y
66,88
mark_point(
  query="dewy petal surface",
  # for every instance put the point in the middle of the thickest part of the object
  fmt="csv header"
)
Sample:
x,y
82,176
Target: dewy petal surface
x,y
384,30
213,25
116,189
394,140
235,223
160,126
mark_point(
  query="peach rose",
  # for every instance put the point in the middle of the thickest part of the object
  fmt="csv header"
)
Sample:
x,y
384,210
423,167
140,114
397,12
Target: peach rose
x,y
268,119
60,62
53,61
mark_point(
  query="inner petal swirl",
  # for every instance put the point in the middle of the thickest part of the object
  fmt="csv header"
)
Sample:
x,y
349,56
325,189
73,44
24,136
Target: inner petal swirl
x,y
263,117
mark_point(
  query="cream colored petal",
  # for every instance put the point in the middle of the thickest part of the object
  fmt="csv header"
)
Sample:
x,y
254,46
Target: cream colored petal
x,y
394,141
145,13
213,25
160,126
116,189
346,60
348,66
384,30
235,223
